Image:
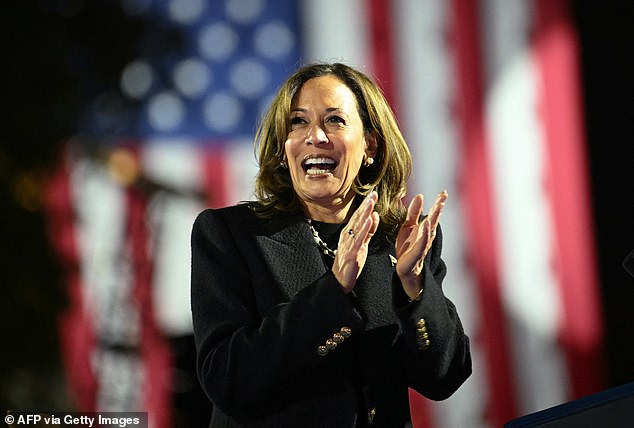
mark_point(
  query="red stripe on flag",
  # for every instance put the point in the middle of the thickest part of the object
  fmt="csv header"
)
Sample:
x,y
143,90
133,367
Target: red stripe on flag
x,y
154,350
476,187
75,326
382,49
419,410
581,333
215,187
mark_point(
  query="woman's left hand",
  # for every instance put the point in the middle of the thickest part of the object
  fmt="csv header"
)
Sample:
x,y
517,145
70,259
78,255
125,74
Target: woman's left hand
x,y
414,241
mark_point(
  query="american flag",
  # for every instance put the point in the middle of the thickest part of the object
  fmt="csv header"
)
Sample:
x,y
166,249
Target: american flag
x,y
487,94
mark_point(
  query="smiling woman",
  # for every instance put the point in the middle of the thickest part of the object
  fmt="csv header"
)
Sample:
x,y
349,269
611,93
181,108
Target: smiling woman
x,y
322,301
386,171
325,148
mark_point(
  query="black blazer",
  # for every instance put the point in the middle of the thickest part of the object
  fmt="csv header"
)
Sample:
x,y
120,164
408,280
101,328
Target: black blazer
x,y
280,345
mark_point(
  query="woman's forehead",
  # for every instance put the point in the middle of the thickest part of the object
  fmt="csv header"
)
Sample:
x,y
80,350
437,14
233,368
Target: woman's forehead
x,y
327,89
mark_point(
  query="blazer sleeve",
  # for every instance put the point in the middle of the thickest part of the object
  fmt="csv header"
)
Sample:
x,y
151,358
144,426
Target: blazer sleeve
x,y
433,341
244,357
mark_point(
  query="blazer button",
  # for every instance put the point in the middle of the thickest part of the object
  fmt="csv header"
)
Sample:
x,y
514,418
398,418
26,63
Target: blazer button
x,y
337,338
331,344
371,415
322,351
345,332
423,336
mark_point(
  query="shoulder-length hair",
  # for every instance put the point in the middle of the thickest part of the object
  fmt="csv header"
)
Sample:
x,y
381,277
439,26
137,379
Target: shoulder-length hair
x,y
388,174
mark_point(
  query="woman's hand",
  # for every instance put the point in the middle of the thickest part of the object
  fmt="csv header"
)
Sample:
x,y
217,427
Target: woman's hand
x,y
352,249
414,241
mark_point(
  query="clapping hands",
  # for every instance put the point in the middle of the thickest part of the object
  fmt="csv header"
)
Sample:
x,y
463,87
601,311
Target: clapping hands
x,y
414,240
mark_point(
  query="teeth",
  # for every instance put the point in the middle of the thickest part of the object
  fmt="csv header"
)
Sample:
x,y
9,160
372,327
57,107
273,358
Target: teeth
x,y
316,161
317,171
319,165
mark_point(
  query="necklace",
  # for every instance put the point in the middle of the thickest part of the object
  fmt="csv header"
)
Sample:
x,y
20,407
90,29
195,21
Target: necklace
x,y
320,242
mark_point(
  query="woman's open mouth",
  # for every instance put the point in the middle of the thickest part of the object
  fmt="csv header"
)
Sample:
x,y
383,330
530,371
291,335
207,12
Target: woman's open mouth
x,y
319,165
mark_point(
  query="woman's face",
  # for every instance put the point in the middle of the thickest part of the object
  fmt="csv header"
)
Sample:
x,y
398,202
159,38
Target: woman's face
x,y
326,144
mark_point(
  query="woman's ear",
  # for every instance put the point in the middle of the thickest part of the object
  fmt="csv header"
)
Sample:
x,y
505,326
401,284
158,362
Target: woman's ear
x,y
371,144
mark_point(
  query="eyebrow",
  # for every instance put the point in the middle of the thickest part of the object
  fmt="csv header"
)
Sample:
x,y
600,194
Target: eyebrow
x,y
328,110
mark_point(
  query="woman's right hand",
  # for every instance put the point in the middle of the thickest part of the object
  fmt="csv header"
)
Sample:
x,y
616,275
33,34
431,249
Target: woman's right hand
x,y
352,250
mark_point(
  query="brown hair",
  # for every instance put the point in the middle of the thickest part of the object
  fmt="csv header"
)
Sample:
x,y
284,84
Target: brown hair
x,y
388,174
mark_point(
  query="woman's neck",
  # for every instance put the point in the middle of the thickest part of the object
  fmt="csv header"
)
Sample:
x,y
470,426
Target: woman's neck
x,y
328,213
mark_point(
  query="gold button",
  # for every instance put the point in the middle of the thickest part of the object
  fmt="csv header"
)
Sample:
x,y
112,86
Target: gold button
x,y
331,344
345,332
371,414
425,336
322,350
421,323
338,338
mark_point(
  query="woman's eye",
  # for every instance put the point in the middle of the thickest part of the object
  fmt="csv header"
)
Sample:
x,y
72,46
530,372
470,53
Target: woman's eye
x,y
297,120
335,119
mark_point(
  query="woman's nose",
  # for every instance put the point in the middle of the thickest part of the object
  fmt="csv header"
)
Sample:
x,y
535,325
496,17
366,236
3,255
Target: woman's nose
x,y
316,135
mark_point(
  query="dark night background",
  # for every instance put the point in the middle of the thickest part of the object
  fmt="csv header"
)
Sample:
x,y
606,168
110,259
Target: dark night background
x,y
51,66
607,69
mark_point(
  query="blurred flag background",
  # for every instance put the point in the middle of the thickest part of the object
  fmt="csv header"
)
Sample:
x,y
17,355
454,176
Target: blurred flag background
x,y
146,110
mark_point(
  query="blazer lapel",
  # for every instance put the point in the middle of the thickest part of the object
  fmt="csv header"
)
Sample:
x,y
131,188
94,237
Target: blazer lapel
x,y
292,257
288,250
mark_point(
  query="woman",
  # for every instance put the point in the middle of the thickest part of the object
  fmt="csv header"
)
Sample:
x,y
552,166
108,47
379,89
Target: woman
x,y
321,303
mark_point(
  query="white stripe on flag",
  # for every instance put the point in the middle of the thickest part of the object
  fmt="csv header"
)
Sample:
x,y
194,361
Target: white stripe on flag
x,y
335,31
100,210
107,278
174,164
529,287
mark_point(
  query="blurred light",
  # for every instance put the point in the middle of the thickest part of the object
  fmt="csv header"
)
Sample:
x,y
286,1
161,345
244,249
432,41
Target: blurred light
x,y
244,11
218,41
249,77
192,77
185,11
27,191
136,79
166,111
274,40
123,166
222,112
